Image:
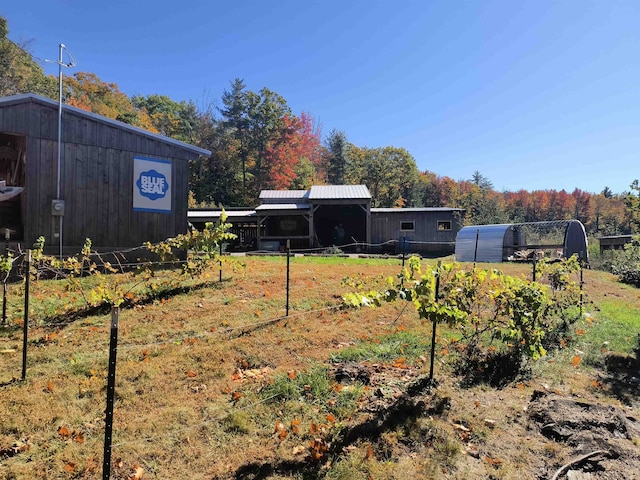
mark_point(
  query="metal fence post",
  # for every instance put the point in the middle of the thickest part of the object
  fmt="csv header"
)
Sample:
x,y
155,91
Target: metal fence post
x,y
288,269
25,324
435,324
111,386
581,287
6,278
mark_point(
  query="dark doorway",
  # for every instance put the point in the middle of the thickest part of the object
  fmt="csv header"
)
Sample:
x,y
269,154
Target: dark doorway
x,y
12,179
340,225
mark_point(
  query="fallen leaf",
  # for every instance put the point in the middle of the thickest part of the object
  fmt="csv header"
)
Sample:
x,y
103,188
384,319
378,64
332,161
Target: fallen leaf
x,y
138,471
369,454
191,373
235,396
575,361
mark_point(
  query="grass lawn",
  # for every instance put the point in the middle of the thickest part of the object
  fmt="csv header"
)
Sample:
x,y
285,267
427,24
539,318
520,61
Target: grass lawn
x,y
216,382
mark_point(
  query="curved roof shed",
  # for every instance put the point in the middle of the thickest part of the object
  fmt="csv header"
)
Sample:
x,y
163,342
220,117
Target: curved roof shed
x,y
500,242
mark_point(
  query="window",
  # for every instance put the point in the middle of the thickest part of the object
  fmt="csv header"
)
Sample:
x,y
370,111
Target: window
x,y
444,225
407,226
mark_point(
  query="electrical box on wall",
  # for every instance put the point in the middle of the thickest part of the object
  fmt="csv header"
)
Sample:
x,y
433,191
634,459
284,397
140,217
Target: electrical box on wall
x,y
57,208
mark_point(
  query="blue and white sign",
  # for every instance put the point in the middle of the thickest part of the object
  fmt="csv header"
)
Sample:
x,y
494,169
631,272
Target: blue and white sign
x,y
151,185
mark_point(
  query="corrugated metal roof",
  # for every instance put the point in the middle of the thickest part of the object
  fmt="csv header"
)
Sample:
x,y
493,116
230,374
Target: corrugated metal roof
x,y
284,194
339,192
31,97
416,209
283,206
482,243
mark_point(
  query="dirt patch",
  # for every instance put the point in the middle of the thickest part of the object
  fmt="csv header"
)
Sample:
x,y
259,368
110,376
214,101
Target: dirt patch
x,y
601,435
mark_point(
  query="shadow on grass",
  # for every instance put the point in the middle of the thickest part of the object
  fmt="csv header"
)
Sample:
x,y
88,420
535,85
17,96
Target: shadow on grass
x,y
497,369
622,375
413,404
62,320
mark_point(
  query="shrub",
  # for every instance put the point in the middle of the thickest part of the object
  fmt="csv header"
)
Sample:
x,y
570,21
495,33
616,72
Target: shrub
x,y
626,263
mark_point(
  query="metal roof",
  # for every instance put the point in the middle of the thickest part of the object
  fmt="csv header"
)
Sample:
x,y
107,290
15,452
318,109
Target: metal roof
x,y
339,192
283,206
484,243
416,210
284,194
197,214
32,97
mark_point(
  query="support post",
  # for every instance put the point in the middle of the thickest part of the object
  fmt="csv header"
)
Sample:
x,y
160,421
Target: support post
x,y
25,323
288,265
475,251
111,386
7,234
435,324
581,286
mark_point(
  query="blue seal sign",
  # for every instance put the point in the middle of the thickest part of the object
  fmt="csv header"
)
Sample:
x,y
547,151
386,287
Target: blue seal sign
x,y
152,184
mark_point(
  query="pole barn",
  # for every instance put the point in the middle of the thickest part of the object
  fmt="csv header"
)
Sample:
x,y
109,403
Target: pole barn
x,y
118,185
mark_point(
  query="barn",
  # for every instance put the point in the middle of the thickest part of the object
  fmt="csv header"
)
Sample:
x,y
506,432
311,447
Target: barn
x,y
111,182
337,215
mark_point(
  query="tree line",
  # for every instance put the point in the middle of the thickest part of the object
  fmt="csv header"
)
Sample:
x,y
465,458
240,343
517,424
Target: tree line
x,y
257,142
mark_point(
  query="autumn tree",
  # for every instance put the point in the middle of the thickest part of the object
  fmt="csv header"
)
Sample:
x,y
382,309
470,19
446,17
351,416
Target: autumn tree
x,y
632,205
19,73
256,121
291,153
581,205
86,91
178,120
389,173
483,205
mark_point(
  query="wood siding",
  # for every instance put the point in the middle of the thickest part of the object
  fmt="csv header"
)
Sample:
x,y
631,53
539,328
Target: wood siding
x,y
97,178
425,238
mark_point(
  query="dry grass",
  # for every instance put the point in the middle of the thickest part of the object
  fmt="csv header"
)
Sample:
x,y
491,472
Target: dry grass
x,y
189,378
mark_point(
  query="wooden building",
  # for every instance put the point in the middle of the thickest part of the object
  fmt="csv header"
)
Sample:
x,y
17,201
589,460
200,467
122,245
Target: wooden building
x,y
323,216
341,216
614,242
428,231
117,184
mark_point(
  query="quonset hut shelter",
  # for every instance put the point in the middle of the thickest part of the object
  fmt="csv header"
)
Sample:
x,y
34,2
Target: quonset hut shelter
x,y
520,241
119,185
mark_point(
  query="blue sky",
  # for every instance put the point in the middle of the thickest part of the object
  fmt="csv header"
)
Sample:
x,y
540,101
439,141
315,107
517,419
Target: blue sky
x,y
532,94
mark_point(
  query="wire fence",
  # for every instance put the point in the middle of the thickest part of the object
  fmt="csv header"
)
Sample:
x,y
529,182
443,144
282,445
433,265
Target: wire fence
x,y
219,333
